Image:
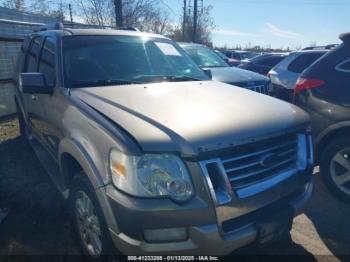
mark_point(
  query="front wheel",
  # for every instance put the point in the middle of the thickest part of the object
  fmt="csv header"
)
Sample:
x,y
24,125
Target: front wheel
x,y
335,168
89,221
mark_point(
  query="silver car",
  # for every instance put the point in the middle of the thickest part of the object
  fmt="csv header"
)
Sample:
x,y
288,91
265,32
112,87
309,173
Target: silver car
x,y
152,156
285,74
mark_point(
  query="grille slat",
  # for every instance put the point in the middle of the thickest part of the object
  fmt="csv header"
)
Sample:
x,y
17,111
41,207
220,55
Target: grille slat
x,y
258,152
257,161
260,89
237,178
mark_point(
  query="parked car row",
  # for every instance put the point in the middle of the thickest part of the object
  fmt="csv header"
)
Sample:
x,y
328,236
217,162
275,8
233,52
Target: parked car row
x,y
323,90
220,71
153,156
317,79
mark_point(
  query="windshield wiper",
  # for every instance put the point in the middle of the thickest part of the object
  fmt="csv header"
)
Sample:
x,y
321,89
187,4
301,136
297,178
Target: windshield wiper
x,y
102,82
160,78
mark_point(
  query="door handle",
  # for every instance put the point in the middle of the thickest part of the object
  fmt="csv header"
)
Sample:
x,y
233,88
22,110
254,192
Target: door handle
x,y
34,97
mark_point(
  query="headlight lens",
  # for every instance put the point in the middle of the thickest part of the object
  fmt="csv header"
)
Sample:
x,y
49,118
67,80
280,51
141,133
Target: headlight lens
x,y
151,175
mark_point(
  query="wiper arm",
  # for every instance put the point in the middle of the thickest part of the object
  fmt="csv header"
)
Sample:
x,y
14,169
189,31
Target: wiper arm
x,y
102,82
182,78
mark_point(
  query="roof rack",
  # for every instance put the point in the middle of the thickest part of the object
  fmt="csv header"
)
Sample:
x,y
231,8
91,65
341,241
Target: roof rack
x,y
71,25
51,26
326,47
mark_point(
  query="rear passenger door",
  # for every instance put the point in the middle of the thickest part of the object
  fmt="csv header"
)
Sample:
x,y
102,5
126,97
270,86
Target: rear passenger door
x,y
46,102
30,100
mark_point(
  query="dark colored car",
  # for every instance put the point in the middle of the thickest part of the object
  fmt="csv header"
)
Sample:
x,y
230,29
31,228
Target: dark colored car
x,y
323,90
262,64
230,61
208,60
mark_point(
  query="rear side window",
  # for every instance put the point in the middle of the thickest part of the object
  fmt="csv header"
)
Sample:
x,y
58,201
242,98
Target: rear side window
x,y
31,64
47,61
344,66
270,61
303,61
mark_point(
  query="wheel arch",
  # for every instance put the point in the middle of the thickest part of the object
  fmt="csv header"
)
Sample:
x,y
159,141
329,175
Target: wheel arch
x,y
73,159
334,131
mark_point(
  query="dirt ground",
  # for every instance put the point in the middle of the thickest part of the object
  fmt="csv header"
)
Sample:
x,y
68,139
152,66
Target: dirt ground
x,y
38,221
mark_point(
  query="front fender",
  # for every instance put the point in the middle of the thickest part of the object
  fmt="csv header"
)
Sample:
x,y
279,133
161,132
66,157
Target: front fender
x,y
73,148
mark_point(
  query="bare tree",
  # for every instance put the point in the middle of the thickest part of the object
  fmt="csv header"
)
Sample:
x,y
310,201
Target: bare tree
x,y
146,15
205,25
97,12
53,8
14,4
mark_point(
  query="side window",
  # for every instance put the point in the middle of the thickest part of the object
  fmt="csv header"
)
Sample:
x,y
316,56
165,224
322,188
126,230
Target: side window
x,y
303,61
270,61
31,64
344,66
236,56
47,61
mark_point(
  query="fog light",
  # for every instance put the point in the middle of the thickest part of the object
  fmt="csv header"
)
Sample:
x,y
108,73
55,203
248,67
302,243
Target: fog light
x,y
165,234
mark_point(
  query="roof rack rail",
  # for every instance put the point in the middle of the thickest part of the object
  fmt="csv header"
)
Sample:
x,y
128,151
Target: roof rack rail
x,y
50,26
326,47
72,25
128,28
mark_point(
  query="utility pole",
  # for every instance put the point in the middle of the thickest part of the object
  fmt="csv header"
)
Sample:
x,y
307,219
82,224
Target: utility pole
x,y
195,14
184,22
118,5
70,13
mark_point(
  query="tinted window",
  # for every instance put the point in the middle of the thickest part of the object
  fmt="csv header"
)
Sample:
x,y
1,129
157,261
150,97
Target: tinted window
x,y
344,66
47,61
236,56
303,61
32,55
248,55
270,61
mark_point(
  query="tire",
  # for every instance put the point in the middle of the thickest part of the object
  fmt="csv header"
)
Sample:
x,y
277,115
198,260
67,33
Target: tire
x,y
81,186
335,168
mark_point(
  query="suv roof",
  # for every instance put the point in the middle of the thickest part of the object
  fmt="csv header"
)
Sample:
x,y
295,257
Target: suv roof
x,y
58,28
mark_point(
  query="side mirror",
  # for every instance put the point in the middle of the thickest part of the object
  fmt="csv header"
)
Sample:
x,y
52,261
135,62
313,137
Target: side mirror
x,y
34,83
208,73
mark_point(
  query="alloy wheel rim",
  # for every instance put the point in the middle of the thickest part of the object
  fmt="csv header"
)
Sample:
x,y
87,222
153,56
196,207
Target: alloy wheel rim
x,y
340,170
88,224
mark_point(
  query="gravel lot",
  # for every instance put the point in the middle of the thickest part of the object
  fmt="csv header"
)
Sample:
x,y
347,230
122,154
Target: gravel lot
x,y
38,222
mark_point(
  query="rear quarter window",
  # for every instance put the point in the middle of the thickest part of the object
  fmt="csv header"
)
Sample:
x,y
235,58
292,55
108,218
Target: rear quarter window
x,y
303,61
344,66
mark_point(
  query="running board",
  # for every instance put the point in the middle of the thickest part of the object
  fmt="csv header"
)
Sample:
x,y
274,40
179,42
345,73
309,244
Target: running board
x,y
50,166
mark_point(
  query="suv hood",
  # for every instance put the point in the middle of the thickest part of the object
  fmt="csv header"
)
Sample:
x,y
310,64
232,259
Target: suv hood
x,y
232,75
191,117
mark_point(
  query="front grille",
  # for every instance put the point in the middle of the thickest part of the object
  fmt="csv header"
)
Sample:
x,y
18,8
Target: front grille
x,y
246,166
260,87
261,160
263,89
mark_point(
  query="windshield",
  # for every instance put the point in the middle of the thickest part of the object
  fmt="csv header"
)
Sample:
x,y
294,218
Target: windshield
x,y
204,57
112,60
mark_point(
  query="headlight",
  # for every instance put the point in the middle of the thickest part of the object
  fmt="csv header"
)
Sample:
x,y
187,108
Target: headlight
x,y
151,175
